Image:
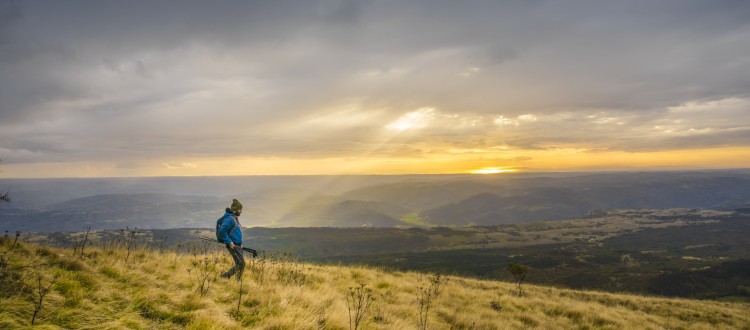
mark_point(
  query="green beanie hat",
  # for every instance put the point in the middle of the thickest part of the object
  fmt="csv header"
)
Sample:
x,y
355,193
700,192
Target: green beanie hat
x,y
236,206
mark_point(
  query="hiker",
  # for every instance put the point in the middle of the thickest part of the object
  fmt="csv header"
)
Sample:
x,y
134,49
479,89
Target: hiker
x,y
229,232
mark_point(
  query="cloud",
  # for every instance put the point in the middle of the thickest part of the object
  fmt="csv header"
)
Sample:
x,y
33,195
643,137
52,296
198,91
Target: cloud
x,y
134,80
173,166
413,120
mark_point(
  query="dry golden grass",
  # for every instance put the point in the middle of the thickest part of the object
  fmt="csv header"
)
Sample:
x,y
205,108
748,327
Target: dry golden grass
x,y
157,291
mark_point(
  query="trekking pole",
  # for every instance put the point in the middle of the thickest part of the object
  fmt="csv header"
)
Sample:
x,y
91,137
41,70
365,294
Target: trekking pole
x,y
246,249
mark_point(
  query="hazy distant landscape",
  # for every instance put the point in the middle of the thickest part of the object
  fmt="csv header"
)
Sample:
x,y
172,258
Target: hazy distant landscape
x,y
666,233
359,201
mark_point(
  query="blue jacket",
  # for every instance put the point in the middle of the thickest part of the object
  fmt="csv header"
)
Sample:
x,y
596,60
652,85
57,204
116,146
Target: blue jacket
x,y
228,229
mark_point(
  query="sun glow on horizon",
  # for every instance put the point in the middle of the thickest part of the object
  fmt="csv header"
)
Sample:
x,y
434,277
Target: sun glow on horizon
x,y
493,170
377,162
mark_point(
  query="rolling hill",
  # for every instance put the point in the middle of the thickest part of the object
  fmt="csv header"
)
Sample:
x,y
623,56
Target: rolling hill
x,y
489,209
116,287
388,201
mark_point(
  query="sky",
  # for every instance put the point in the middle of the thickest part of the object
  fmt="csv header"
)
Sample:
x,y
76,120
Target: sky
x,y
161,88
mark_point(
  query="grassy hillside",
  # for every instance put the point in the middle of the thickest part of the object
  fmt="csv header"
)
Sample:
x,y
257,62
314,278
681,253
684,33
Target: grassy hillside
x,y
634,251
115,287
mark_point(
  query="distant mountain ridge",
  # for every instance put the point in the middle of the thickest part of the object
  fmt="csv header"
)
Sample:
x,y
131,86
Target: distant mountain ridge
x,y
382,202
347,213
489,209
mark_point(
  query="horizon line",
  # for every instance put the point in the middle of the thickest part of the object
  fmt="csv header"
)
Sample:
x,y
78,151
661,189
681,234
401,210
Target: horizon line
x,y
518,173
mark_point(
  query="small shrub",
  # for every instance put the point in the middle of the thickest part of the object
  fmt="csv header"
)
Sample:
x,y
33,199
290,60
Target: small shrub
x,y
291,273
201,271
40,291
437,283
424,299
358,303
426,295
519,272
130,240
80,244
258,268
495,305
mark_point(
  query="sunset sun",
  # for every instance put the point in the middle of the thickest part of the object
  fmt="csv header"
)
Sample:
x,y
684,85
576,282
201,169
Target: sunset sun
x,y
493,170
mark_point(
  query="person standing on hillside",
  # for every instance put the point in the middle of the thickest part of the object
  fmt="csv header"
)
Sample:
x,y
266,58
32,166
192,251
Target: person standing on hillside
x,y
229,232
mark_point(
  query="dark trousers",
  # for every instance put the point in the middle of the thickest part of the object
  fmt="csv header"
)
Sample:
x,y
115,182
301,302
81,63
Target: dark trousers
x,y
239,262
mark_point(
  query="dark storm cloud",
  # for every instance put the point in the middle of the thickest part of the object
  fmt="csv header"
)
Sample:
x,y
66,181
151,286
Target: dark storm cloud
x,y
9,12
105,80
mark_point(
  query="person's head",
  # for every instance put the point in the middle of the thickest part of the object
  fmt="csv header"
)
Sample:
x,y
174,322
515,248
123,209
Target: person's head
x,y
236,207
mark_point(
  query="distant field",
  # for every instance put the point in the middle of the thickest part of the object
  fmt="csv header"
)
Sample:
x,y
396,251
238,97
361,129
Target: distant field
x,y
312,241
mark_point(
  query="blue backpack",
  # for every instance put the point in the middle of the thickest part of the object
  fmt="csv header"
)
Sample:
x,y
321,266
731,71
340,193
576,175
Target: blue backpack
x,y
221,221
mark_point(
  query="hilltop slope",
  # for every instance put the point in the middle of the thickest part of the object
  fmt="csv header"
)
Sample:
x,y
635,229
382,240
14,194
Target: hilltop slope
x,y
100,289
